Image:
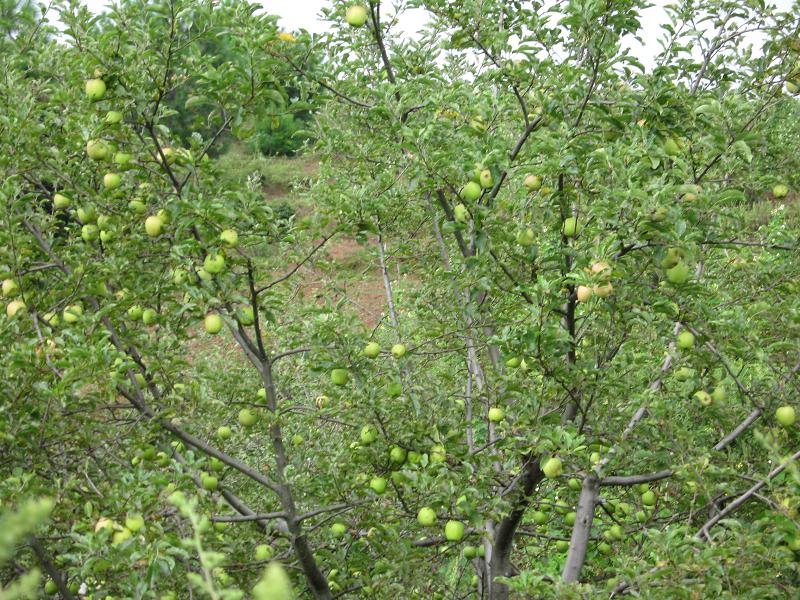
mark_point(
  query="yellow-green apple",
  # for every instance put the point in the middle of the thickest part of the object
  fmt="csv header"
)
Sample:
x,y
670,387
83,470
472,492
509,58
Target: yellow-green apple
x,y
532,182
97,149
213,323
378,485
583,293
426,516
229,237
570,227
526,237
454,531
340,376
496,414
153,226
60,201
372,350
785,415
470,192
685,340
355,15
95,89
552,468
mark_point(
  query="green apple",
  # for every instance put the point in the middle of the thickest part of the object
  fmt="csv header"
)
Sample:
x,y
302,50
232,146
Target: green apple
x,y
552,467
703,397
470,552
649,498
671,146
595,458
570,227
14,308
460,213
684,374
135,312
641,516
264,552
87,214
60,201
539,517
340,376
338,529
485,179
204,275
123,159
220,526
574,484
569,518
107,236
513,362
604,548
95,89
97,149
355,15
496,414
470,192
526,237
10,288
217,465
719,394
414,457
50,587
247,418
562,507
454,531
399,350
297,439
616,532
793,87
780,190
532,182
149,316
372,350
659,214
137,206
111,181
562,545
134,522
246,316
153,226
209,482
426,516
368,435
322,402
51,319
685,340
224,433
229,237
103,221
437,454
603,291
672,257
72,313
213,323
378,485
113,117
397,455
785,415
679,274
214,263
583,293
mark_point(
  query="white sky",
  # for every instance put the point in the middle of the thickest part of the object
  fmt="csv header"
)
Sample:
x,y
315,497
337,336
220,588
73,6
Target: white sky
x,y
305,14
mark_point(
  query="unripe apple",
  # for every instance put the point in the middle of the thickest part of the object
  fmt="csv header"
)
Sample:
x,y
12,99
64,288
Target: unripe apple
x,y
570,227
454,531
641,516
485,179
95,89
399,350
703,397
470,552
470,192
247,418
338,529
137,206
562,545
321,401
649,498
72,313
496,414
149,316
224,433
153,226
135,312
213,323
437,454
780,190
214,264
10,288
60,201
50,587
603,291
340,376
368,435
426,516
97,149
209,482
574,484
229,237
684,374
552,468
595,458
679,274
123,159
460,213
785,415
14,308
685,340
539,517
246,316
378,485
414,457
526,237
87,214
793,87
659,214
671,146
111,181
397,455
672,257
113,117
569,518
532,182
562,507
719,394
584,293
604,548
355,15
264,552
134,522
372,350
616,532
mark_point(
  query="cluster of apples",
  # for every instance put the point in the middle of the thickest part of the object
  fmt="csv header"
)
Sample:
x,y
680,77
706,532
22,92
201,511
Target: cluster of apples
x,y
16,305
601,273
481,179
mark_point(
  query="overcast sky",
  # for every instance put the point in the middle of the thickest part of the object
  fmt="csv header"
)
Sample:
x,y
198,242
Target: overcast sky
x,y
304,14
